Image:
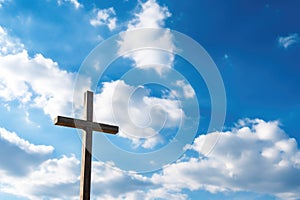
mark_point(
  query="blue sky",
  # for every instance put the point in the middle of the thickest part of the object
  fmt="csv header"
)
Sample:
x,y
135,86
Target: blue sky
x,y
180,136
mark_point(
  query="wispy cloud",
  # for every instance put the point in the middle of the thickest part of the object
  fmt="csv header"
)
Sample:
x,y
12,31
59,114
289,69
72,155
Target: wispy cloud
x,y
289,40
8,44
105,17
188,91
14,139
75,3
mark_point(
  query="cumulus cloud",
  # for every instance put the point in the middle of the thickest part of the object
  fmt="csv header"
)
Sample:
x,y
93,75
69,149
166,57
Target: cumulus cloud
x,y
30,171
139,115
59,179
254,156
105,17
287,41
116,184
35,81
113,183
52,179
107,183
32,174
149,15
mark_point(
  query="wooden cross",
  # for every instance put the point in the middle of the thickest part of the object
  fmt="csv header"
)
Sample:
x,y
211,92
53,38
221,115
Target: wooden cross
x,y
88,126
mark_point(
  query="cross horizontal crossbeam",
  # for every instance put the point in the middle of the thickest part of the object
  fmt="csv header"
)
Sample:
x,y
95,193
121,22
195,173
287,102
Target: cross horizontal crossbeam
x,y
83,124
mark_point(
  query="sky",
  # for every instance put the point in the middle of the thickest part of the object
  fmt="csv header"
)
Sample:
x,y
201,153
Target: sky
x,y
205,93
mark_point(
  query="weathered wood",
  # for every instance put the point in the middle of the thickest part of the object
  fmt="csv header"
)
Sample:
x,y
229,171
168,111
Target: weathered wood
x,y
83,124
88,126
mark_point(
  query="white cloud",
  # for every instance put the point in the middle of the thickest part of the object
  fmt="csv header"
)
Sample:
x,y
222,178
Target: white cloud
x,y
22,155
139,115
35,81
188,91
105,17
151,142
54,179
14,139
9,45
150,15
256,156
112,183
58,178
144,193
28,171
289,40
75,3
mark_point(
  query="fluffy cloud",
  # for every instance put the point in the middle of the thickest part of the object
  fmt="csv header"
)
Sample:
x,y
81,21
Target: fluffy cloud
x,y
112,183
150,15
59,179
139,115
289,40
31,172
34,175
158,193
116,184
105,17
54,179
254,156
35,81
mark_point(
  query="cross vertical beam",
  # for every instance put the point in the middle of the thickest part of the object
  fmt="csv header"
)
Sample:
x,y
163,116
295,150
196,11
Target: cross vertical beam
x,y
86,155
